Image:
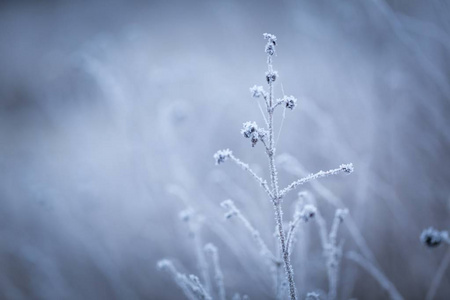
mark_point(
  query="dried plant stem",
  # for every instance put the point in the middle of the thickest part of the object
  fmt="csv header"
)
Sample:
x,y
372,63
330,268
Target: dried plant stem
x,y
284,251
218,275
201,260
293,166
276,199
310,177
190,285
438,277
246,167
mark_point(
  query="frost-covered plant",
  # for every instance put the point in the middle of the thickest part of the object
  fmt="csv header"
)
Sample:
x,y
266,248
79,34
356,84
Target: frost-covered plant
x,y
267,138
190,285
332,250
312,296
212,251
270,259
433,238
367,259
193,287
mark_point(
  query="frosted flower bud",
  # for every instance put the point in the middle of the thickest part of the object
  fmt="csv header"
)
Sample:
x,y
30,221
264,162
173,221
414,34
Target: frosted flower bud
x,y
229,214
186,215
249,129
271,76
432,237
290,102
252,132
164,264
222,155
308,212
270,49
312,296
347,168
210,248
229,204
271,39
257,91
341,214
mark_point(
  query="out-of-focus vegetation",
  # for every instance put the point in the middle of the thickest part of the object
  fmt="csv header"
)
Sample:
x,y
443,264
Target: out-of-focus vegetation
x,y
110,113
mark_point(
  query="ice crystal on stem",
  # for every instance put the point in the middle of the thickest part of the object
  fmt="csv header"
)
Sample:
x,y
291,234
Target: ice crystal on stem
x,y
222,155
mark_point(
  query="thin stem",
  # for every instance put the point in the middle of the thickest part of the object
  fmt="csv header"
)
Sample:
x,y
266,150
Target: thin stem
x,y
234,211
293,166
272,108
276,199
190,285
246,167
291,233
320,174
271,150
201,259
438,277
284,250
218,275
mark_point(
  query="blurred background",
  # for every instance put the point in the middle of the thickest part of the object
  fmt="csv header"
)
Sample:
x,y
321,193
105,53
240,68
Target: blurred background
x,y
111,111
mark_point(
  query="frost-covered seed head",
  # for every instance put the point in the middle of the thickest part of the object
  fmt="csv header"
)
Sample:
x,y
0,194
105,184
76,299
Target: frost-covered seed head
x,y
251,131
308,212
227,204
290,102
186,215
347,168
210,248
341,214
270,49
432,237
271,39
249,128
312,296
222,155
164,264
229,214
258,91
271,76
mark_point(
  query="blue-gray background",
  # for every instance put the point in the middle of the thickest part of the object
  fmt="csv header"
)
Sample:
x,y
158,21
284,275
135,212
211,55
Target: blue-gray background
x,y
107,108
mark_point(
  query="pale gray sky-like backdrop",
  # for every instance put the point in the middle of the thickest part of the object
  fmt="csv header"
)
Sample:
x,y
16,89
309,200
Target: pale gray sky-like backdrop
x,y
111,111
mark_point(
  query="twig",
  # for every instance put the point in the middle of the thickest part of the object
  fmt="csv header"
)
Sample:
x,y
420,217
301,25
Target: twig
x,y
348,168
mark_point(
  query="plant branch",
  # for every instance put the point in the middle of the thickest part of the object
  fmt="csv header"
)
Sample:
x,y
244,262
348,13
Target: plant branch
x,y
342,169
246,167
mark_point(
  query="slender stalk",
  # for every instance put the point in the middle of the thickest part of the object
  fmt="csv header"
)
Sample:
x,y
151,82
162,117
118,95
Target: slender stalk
x,y
276,199
218,275
246,167
284,251
438,277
